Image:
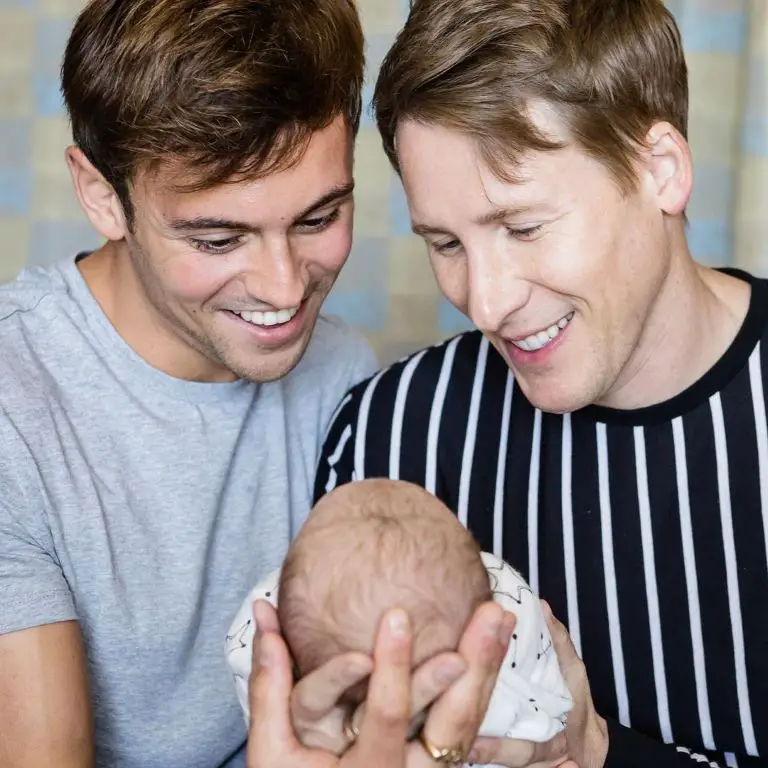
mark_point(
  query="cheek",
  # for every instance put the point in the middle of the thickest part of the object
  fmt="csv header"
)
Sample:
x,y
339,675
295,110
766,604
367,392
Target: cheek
x,y
330,250
197,278
452,279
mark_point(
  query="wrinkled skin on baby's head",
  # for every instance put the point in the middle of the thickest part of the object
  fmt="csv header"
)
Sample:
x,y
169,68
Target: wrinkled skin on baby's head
x,y
368,547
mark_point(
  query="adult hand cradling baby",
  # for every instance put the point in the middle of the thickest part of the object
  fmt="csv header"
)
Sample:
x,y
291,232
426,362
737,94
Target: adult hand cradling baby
x,y
284,716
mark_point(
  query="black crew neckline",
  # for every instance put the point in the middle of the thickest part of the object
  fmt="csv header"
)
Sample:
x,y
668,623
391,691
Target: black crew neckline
x,y
735,358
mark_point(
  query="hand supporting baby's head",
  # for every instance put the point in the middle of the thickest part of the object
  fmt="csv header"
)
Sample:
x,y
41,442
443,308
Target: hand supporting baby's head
x,y
368,547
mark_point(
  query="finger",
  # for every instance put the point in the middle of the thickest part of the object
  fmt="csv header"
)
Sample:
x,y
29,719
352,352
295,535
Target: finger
x,y
265,616
320,691
515,753
271,739
382,740
571,665
455,717
433,678
430,680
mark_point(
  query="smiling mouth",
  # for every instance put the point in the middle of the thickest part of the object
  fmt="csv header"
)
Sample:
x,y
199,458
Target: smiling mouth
x,y
268,319
541,339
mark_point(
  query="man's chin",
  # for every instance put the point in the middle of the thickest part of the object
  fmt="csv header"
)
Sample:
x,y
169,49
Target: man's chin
x,y
264,367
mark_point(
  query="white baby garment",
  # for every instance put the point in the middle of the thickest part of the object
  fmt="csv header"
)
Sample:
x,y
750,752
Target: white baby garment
x,y
530,700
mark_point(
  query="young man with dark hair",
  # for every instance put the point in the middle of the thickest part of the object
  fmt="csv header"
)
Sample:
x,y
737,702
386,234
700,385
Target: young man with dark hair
x,y
605,428
164,398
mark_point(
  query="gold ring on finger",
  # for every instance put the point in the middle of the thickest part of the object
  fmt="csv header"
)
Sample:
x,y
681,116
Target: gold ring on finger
x,y
442,755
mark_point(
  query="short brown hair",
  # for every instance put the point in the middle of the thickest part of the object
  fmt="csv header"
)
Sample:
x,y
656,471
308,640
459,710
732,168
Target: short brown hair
x,y
610,68
229,87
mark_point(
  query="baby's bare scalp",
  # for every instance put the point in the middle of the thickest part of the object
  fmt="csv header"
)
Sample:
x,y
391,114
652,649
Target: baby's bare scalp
x,y
370,546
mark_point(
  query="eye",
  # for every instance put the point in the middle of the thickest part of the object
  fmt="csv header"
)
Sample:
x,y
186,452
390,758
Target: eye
x,y
319,223
223,245
526,233
446,248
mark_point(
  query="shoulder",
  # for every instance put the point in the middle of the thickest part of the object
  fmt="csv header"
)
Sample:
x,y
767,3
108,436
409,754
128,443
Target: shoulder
x,y
450,367
27,294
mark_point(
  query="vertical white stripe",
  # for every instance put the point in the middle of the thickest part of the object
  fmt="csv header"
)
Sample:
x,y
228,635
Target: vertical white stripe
x,y
401,398
335,456
436,415
533,504
731,574
469,441
761,427
362,426
346,399
501,470
731,761
692,585
569,548
609,569
651,586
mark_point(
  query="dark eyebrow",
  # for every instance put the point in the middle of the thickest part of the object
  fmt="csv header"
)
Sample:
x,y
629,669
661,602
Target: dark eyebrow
x,y
202,222
497,214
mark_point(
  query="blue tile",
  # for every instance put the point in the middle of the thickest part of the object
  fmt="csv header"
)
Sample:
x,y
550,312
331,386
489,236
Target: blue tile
x,y
15,191
51,37
450,320
711,240
48,99
713,32
366,310
399,216
368,265
713,188
52,241
754,135
14,143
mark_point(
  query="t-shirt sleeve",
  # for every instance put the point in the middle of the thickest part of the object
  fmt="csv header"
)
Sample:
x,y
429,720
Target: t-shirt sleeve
x,y
33,588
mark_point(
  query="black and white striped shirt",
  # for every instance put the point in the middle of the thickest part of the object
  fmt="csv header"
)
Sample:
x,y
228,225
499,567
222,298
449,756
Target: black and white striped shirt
x,y
646,530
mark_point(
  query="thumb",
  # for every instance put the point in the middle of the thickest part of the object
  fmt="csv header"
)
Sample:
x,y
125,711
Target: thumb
x,y
271,738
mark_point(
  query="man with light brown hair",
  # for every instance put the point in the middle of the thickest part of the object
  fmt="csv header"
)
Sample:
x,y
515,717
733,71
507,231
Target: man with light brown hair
x,y
164,398
605,427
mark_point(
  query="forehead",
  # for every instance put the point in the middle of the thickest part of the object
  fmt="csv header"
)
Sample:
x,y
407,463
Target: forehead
x,y
325,164
445,176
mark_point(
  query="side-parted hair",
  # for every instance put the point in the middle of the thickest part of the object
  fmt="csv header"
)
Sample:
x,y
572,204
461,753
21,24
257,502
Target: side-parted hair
x,y
231,88
609,69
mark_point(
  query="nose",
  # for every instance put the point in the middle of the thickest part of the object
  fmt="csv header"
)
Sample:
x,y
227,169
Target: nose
x,y
496,287
275,275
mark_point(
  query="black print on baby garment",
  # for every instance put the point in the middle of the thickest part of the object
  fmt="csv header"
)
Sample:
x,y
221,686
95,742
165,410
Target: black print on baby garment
x,y
519,591
235,641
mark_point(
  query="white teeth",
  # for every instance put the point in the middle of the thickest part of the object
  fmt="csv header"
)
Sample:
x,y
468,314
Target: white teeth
x,y
537,341
269,318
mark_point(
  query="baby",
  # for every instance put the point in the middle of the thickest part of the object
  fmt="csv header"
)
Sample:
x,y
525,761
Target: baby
x,y
375,544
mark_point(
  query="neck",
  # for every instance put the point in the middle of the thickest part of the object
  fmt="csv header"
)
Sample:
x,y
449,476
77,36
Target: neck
x,y
695,317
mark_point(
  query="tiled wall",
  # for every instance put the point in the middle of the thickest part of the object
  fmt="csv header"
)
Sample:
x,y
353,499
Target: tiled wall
x,y
387,288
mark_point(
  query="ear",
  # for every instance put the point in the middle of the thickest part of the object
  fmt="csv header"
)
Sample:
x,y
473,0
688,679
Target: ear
x,y
97,197
670,168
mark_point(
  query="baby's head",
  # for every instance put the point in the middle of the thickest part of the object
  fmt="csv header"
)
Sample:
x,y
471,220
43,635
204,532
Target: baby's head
x,y
370,546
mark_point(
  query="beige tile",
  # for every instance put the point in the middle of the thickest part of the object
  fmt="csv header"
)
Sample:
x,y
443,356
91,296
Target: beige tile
x,y
53,198
14,235
412,319
50,137
373,178
409,271
15,97
17,42
60,9
380,16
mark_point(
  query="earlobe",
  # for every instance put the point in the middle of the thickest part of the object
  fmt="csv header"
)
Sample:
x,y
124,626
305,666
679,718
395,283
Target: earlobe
x,y
96,195
670,168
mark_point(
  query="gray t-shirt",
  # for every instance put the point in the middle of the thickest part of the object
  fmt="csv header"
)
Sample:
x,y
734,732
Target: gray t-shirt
x,y
147,507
